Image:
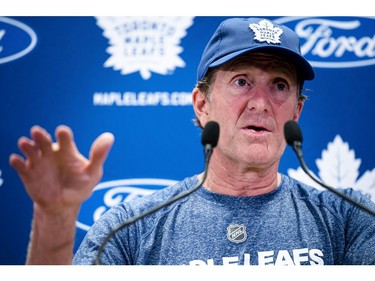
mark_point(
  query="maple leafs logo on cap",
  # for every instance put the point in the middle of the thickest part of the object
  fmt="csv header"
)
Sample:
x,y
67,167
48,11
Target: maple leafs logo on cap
x,y
265,31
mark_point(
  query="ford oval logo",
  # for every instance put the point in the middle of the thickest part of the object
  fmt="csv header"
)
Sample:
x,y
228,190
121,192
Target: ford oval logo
x,y
335,42
16,39
110,193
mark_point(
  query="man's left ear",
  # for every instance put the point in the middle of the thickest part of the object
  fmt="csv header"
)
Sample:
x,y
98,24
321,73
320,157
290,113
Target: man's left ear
x,y
298,110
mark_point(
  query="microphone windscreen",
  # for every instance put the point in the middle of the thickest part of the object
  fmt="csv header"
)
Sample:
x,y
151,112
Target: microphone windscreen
x,y
292,132
210,134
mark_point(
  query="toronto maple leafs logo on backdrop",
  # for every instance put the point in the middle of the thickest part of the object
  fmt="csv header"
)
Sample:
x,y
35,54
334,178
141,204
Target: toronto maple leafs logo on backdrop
x,y
338,167
144,44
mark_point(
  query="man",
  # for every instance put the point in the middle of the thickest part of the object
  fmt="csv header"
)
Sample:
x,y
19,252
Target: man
x,y
250,80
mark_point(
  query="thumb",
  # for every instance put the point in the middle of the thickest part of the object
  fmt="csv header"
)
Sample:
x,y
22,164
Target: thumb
x,y
99,151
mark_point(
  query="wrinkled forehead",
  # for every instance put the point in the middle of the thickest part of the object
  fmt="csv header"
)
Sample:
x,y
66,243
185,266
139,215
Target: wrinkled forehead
x,y
264,61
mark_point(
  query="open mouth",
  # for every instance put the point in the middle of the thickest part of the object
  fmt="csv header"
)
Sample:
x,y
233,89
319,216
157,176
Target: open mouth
x,y
257,129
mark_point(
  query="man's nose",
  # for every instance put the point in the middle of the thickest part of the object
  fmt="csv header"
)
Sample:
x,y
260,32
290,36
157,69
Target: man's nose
x,y
258,99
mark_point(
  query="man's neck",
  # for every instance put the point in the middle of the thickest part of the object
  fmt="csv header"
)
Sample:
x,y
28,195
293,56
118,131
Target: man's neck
x,y
242,182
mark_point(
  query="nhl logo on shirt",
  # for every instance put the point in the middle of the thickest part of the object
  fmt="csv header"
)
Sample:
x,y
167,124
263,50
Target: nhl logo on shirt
x,y
236,233
265,31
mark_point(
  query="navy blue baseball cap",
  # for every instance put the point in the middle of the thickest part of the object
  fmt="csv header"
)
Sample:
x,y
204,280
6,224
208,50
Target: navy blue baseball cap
x,y
236,36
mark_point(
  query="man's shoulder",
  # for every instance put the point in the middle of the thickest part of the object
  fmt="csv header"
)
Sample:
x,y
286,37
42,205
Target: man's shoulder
x,y
159,196
326,199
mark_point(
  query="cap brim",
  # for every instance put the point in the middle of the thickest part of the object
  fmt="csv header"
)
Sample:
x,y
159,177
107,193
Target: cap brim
x,y
304,69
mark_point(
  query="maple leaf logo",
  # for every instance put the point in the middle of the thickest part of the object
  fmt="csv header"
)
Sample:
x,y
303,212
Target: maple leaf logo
x,y
265,31
144,44
338,167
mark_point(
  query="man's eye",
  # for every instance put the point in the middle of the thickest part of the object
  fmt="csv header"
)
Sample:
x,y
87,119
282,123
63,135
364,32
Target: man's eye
x,y
281,87
241,82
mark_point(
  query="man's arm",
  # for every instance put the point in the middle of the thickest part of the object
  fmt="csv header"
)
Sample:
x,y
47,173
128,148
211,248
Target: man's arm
x,y
51,238
58,179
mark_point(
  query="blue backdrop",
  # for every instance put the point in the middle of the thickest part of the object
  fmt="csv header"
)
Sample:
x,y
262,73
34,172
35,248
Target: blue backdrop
x,y
133,76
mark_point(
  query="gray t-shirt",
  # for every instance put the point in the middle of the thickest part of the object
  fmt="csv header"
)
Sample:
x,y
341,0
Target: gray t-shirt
x,y
293,225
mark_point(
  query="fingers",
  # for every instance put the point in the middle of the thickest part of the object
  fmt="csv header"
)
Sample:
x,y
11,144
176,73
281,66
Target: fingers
x,y
17,163
42,139
99,151
41,145
28,147
65,139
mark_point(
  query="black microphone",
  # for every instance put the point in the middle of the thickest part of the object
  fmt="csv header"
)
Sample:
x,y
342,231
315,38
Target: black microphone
x,y
210,136
293,136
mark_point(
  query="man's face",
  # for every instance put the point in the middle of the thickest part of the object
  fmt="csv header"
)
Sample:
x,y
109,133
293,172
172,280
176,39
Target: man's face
x,y
251,105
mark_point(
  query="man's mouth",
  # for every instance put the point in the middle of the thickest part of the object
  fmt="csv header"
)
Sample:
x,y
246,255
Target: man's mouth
x,y
257,129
